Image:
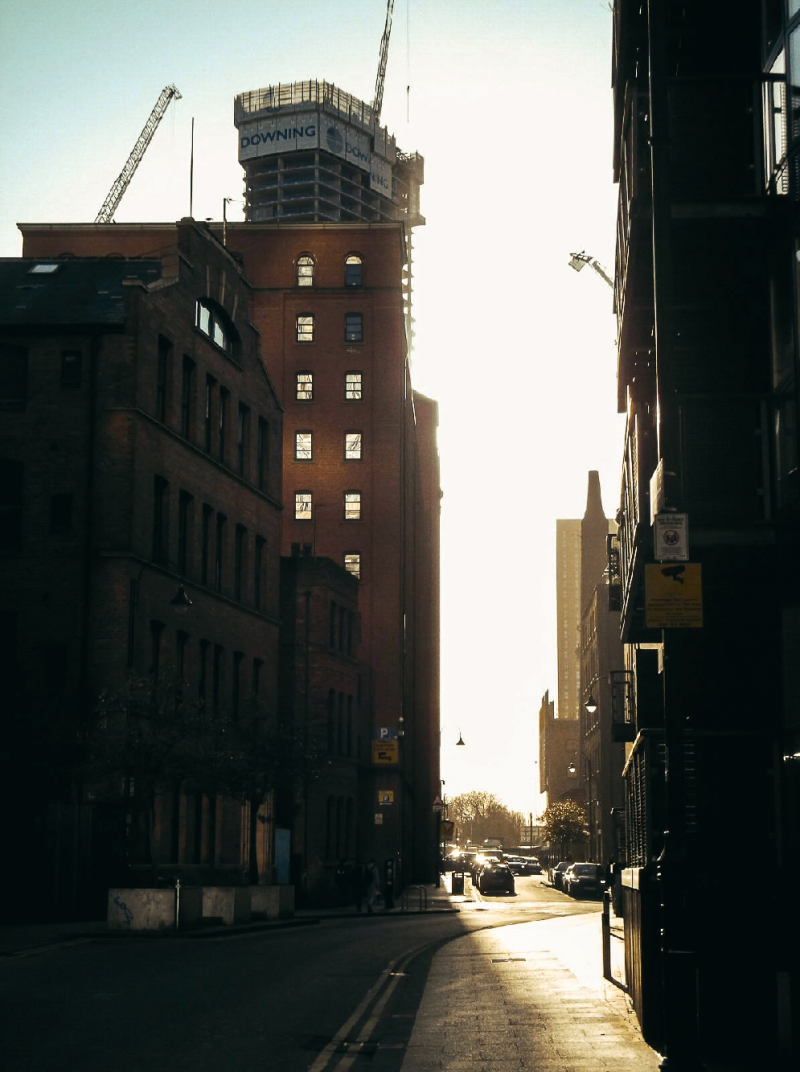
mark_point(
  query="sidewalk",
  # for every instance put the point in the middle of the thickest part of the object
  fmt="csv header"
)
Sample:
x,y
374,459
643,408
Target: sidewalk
x,y
23,939
526,996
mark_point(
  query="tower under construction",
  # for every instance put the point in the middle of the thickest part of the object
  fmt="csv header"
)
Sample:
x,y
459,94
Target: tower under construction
x,y
312,153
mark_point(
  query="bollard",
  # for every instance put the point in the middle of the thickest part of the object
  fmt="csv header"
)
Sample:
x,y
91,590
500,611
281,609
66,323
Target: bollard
x,y
605,923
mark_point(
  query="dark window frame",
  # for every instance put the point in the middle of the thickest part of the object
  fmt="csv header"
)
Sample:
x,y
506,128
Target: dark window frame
x,y
353,327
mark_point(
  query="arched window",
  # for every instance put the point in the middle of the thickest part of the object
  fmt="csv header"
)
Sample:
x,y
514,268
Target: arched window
x,y
305,270
214,322
353,271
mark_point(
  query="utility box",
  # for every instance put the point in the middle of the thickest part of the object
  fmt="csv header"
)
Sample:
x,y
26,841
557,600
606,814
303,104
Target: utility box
x,y
458,882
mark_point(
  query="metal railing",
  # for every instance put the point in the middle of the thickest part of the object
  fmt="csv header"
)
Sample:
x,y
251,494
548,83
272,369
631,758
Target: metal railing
x,y
422,896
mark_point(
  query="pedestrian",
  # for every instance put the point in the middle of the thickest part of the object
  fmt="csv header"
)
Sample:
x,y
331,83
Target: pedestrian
x,y
371,885
340,879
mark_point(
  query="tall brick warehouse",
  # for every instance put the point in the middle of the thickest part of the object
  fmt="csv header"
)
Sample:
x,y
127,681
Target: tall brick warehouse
x,y
360,482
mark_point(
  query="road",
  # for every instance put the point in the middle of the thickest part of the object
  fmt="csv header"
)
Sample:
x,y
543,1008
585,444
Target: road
x,y
285,1000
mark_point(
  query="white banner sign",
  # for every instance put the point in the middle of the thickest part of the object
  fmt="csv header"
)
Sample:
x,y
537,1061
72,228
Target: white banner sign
x,y
266,137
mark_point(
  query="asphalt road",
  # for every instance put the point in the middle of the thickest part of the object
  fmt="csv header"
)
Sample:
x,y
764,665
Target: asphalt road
x,y
307,998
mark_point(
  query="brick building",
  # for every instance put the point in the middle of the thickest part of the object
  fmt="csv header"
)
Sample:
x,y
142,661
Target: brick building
x,y
140,452
706,154
360,477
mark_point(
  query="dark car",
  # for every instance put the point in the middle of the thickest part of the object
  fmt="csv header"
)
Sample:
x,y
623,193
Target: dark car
x,y
494,876
557,873
584,880
524,865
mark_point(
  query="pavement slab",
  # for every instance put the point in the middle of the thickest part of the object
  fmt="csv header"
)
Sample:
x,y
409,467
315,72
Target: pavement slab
x,y
526,996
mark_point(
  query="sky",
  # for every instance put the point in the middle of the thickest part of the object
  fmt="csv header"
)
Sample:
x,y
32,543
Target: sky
x,y
510,103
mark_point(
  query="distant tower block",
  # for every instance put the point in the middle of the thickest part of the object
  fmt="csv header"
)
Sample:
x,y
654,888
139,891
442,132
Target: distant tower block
x,y
312,153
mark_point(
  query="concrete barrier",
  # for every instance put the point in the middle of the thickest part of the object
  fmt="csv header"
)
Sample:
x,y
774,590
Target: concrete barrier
x,y
231,904
141,909
265,902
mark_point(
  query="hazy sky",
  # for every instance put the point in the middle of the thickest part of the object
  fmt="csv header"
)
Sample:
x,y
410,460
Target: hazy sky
x,y
510,104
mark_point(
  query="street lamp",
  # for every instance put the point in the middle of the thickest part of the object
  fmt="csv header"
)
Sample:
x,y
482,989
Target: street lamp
x,y
578,260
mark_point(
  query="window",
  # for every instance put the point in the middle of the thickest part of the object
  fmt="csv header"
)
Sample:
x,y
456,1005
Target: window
x,y
222,423
262,453
340,725
303,450
305,270
305,328
11,486
211,383
213,322
60,514
202,676
187,390
219,550
257,664
181,639
43,269
349,725
162,372
352,386
352,446
353,271
184,507
206,541
238,560
13,377
342,627
353,327
241,446
258,566
160,515
71,368
352,506
216,680
156,634
302,506
352,563
331,722
236,683
332,619
304,387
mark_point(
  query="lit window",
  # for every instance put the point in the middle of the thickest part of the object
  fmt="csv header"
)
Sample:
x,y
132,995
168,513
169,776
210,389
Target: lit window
x,y
214,323
302,446
304,387
352,506
353,271
305,328
353,327
305,271
352,445
352,563
352,386
43,269
302,506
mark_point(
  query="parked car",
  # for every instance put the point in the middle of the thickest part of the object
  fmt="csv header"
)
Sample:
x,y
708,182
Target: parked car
x,y
524,865
557,873
495,876
584,880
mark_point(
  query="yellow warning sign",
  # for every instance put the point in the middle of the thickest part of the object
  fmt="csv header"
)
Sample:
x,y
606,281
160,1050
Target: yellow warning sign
x,y
673,595
385,751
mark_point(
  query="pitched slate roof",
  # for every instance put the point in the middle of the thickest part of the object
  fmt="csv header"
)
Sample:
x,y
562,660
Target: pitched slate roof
x,y
80,291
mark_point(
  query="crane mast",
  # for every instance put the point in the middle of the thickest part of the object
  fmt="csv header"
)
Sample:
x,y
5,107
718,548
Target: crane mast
x,y
111,203
377,103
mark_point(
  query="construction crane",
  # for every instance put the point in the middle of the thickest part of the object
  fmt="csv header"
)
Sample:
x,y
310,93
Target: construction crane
x,y
577,261
111,203
377,103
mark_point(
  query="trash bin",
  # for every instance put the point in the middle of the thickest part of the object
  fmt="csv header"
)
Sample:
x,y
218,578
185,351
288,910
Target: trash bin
x,y
458,882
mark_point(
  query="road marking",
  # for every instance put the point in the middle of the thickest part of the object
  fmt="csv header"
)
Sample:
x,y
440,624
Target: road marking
x,y
389,978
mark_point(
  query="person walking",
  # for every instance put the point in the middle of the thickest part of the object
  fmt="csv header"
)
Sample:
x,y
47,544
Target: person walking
x,y
371,884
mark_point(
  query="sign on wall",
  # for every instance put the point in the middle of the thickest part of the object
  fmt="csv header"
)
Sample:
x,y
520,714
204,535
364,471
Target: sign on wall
x,y
279,134
673,596
385,752
671,537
